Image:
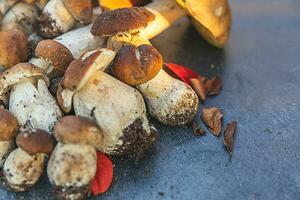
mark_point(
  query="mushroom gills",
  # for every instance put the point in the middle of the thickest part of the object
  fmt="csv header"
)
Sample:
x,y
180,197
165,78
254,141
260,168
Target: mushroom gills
x,y
169,100
118,109
33,105
22,170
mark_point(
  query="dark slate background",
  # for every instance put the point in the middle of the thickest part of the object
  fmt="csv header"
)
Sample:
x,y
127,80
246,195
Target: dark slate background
x,y
261,71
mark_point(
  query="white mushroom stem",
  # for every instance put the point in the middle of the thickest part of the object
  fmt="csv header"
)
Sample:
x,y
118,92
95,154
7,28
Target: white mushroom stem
x,y
33,105
169,100
5,148
21,16
80,40
22,170
56,19
71,167
5,5
166,13
114,105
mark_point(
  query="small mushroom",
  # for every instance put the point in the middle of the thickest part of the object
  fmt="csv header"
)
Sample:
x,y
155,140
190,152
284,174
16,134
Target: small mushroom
x,y
123,25
72,165
9,128
118,109
52,57
24,166
211,18
13,48
30,101
21,16
59,16
169,100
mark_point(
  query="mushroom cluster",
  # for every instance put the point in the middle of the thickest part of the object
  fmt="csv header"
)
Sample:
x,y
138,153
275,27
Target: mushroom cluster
x,y
97,67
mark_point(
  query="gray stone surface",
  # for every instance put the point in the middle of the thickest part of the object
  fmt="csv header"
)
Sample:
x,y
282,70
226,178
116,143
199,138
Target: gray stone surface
x,y
261,71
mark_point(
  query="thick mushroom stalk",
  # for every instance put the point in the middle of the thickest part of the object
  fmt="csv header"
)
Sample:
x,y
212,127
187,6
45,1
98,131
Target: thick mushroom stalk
x,y
59,16
24,166
9,128
30,101
169,100
80,40
116,107
21,16
72,165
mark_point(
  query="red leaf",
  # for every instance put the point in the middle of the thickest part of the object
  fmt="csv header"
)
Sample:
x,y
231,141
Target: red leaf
x,y
104,174
183,73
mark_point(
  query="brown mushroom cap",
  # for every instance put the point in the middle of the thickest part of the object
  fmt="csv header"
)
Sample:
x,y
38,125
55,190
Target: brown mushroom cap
x,y
78,130
13,48
81,69
136,65
121,20
9,125
82,10
35,141
19,73
57,54
212,18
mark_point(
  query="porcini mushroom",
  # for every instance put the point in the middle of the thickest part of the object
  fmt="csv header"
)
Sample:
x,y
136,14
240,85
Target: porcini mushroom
x,y
80,40
169,100
72,165
52,57
211,18
59,16
9,127
13,48
24,166
118,109
30,101
21,16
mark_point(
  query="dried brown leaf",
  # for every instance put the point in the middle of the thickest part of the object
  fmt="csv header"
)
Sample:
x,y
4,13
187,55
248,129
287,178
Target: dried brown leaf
x,y
199,87
213,86
212,117
229,136
197,129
